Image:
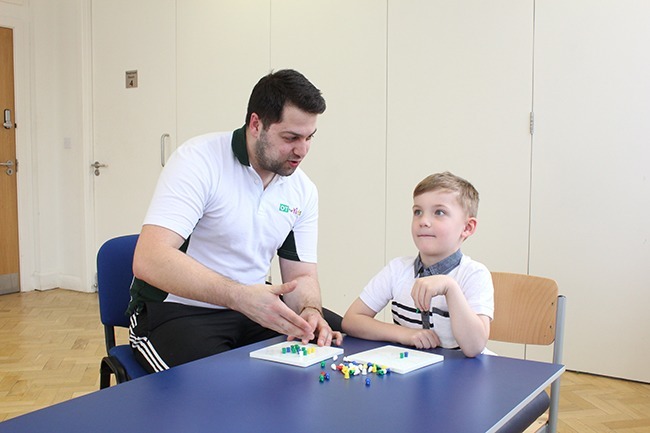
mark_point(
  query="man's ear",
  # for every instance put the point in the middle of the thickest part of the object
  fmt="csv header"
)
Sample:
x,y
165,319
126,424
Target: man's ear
x,y
255,125
470,228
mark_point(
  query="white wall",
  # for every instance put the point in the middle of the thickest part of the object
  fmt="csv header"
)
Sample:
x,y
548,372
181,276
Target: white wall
x,y
54,197
347,158
459,100
591,193
128,123
50,108
58,141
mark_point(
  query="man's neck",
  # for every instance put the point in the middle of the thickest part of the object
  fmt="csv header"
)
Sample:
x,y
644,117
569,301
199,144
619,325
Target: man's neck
x,y
265,175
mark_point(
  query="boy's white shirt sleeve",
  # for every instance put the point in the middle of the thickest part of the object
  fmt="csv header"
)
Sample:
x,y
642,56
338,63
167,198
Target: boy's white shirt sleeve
x,y
379,291
475,281
473,277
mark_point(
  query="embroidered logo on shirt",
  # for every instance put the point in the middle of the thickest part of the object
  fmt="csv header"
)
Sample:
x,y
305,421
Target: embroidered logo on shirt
x,y
287,209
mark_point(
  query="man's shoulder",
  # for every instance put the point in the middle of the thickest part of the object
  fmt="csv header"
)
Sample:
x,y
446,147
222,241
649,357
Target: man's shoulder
x,y
217,140
213,147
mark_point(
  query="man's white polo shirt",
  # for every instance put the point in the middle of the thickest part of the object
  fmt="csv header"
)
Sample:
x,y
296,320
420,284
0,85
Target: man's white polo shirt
x,y
209,193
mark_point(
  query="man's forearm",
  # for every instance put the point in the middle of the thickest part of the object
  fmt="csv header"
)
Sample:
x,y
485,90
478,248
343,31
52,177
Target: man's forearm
x,y
306,295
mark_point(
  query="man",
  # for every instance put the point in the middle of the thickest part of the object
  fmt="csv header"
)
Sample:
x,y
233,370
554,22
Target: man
x,y
224,205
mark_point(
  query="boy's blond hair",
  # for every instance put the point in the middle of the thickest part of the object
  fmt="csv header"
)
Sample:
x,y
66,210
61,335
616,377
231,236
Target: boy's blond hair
x,y
467,194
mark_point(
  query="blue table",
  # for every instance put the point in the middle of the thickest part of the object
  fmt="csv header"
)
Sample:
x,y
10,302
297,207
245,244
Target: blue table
x,y
231,392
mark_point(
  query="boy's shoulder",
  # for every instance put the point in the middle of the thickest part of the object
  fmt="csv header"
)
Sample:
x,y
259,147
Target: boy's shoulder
x,y
405,265
402,262
471,270
408,262
467,261
398,267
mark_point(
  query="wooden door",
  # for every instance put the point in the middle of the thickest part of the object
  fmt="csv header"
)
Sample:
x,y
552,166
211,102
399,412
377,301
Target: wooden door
x,y
9,262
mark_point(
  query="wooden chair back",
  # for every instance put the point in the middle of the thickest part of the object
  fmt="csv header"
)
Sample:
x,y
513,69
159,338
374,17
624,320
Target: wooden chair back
x,y
524,309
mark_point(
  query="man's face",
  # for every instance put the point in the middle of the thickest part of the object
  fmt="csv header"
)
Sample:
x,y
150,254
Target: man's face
x,y
282,146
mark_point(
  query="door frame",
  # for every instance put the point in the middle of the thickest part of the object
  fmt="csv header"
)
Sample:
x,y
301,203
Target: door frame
x,y
26,175
10,274
89,278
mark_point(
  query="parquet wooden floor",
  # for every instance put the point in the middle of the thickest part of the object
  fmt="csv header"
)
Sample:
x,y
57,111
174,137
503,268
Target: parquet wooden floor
x,y
51,344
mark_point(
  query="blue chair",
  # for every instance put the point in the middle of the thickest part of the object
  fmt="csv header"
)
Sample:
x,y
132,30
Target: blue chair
x,y
114,277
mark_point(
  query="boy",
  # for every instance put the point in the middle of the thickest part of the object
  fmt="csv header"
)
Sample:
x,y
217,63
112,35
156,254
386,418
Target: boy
x,y
441,297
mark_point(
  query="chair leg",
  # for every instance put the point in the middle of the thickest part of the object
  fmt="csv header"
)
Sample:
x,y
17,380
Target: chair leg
x,y
554,406
105,373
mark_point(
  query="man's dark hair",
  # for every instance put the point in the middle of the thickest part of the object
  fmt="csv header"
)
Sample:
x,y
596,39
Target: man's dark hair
x,y
276,89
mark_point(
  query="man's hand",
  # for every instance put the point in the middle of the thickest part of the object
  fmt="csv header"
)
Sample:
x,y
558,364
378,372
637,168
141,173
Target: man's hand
x,y
262,304
321,328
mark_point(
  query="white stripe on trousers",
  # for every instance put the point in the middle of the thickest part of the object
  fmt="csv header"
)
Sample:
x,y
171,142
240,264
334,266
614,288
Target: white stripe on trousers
x,y
146,349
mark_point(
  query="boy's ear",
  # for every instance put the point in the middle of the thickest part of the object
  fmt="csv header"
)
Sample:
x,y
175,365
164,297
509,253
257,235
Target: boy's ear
x,y
470,228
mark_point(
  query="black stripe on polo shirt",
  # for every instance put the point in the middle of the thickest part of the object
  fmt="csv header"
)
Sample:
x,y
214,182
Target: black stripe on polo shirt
x,y
434,310
288,249
404,318
238,145
185,245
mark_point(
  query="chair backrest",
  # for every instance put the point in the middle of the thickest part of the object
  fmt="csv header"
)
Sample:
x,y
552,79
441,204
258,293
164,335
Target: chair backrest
x,y
525,309
114,277
530,310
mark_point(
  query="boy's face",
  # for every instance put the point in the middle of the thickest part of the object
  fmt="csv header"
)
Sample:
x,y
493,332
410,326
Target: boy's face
x,y
440,225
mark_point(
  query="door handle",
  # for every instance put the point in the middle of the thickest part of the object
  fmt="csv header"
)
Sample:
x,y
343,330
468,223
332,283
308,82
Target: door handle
x,y
162,148
7,122
9,164
97,165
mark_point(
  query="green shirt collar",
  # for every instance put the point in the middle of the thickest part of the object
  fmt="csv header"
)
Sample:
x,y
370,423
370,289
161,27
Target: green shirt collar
x,y
239,145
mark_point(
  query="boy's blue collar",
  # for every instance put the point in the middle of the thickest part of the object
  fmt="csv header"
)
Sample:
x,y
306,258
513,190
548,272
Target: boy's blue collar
x,y
443,267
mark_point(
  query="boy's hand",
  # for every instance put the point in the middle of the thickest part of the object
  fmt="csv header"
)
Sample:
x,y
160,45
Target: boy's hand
x,y
425,288
421,338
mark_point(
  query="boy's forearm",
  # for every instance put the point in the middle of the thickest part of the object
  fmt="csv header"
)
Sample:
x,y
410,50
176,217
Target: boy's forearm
x,y
369,328
469,330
